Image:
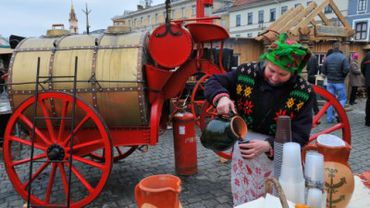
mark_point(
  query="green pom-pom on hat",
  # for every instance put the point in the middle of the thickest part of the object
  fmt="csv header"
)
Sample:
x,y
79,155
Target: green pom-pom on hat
x,y
287,54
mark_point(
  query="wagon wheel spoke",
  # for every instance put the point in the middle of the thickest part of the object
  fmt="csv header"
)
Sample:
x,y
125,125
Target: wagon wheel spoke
x,y
320,114
49,124
28,143
211,111
89,162
64,178
36,174
85,145
37,130
50,183
196,104
62,121
328,130
76,129
81,178
27,160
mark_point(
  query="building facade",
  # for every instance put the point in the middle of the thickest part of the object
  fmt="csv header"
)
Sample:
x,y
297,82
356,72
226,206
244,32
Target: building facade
x,y
359,18
248,18
146,18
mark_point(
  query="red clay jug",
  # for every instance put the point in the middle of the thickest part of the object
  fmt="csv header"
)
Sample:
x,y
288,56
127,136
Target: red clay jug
x,y
332,147
158,191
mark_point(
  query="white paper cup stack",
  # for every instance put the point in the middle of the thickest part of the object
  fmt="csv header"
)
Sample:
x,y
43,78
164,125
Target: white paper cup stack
x,y
314,198
314,169
291,176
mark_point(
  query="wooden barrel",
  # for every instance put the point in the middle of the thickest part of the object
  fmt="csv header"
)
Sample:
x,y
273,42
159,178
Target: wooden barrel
x,y
109,73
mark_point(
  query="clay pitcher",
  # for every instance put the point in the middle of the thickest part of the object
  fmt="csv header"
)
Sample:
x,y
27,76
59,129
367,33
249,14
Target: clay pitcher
x,y
338,177
222,132
332,147
158,191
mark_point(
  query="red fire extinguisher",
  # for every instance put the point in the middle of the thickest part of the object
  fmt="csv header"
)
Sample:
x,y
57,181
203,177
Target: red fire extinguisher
x,y
185,143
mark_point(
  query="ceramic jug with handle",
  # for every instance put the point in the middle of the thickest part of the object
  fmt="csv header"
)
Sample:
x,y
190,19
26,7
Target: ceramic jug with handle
x,y
159,191
222,132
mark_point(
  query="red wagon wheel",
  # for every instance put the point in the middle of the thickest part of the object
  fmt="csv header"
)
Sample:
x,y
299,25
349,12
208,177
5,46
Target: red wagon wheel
x,y
195,103
209,112
49,181
119,153
343,124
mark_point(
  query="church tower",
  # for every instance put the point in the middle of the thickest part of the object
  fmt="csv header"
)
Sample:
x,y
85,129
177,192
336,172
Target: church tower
x,y
73,22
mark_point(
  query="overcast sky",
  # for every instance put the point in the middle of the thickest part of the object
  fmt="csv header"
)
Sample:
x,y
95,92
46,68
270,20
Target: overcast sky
x,y
33,17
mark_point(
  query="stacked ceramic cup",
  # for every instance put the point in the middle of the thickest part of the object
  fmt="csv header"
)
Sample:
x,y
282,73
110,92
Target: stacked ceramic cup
x,y
291,176
314,175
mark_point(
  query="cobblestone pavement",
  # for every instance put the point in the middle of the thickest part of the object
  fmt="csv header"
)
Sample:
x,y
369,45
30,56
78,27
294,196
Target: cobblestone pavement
x,y
210,187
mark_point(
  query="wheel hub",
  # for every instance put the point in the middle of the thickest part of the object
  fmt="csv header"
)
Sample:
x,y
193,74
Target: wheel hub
x,y
55,152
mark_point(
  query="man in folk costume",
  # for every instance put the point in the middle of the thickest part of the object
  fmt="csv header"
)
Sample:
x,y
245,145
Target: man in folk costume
x,y
262,92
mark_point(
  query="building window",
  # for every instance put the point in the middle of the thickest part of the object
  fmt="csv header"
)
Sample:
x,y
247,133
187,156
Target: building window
x,y
193,11
238,20
141,21
260,16
208,11
182,12
328,10
284,9
250,18
149,20
173,13
156,18
272,15
361,7
361,31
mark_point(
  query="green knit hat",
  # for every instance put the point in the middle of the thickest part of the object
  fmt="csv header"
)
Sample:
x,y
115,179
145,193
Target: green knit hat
x,y
287,54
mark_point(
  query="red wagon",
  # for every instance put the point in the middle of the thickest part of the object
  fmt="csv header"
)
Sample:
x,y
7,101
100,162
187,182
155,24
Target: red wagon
x,y
97,99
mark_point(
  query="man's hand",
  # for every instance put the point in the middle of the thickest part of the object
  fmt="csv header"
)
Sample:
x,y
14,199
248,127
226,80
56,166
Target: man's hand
x,y
254,148
224,105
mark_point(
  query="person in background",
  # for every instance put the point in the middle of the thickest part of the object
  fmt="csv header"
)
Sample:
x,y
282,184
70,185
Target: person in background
x,y
365,69
355,78
262,92
336,68
312,70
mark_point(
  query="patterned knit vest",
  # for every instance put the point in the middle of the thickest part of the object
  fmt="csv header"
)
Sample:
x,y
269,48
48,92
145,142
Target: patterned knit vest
x,y
247,99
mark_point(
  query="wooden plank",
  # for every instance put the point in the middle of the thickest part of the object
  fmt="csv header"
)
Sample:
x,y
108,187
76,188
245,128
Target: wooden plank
x,y
308,18
317,39
332,31
341,18
284,18
301,17
281,23
324,19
